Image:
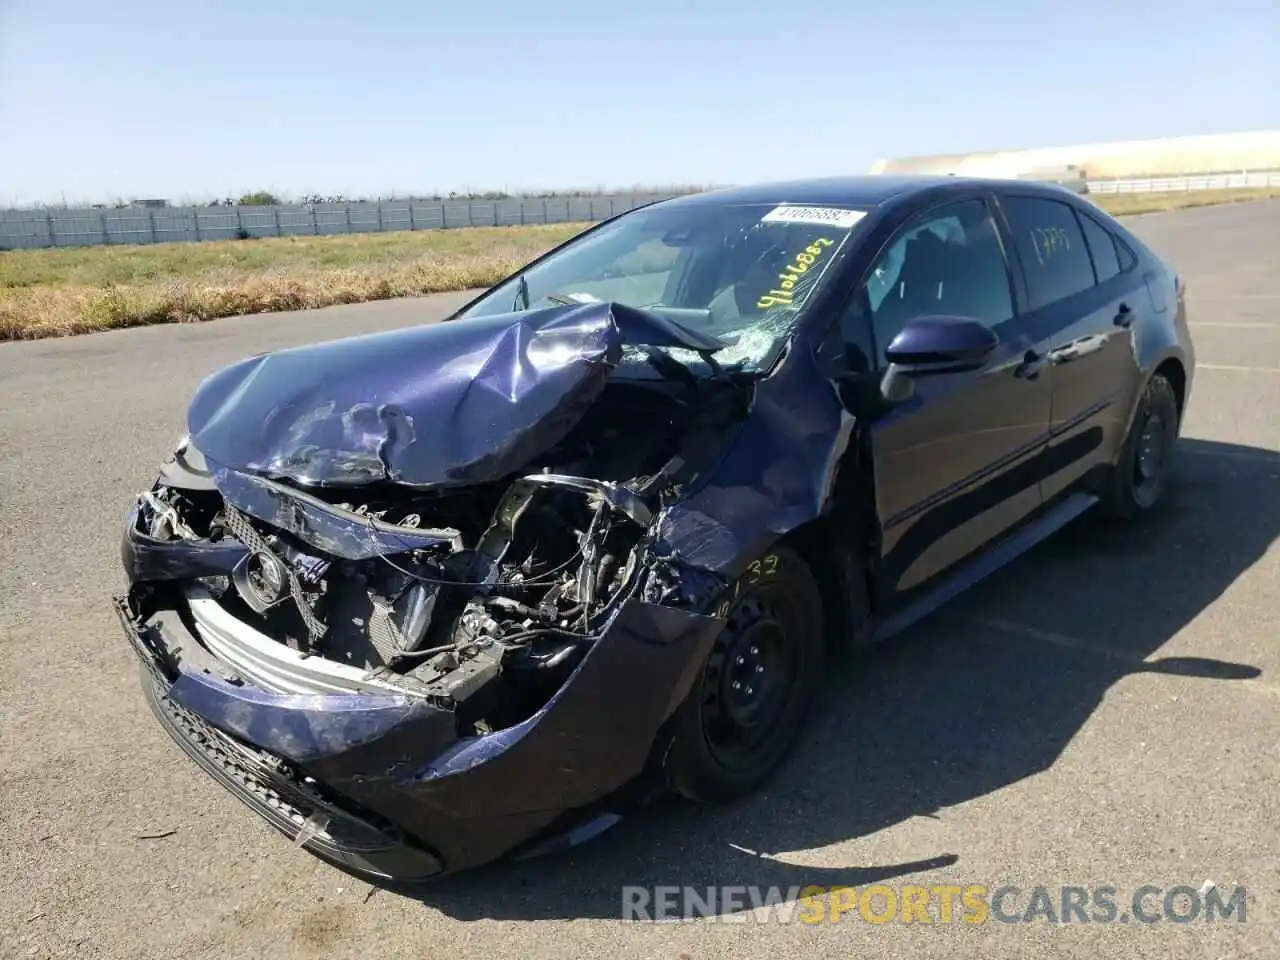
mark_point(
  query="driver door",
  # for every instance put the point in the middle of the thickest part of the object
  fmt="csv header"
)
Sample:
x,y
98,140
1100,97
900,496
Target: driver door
x,y
956,463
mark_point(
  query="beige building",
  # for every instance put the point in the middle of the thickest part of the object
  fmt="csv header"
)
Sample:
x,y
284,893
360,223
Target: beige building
x,y
1168,157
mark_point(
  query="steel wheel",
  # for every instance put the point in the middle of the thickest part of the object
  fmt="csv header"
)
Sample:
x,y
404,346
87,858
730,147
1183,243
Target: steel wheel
x,y
747,709
1138,481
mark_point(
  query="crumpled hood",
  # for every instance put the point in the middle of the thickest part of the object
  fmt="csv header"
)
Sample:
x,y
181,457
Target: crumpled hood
x,y
444,404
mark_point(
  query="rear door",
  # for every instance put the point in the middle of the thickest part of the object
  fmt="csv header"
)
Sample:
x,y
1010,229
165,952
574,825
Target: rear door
x,y
955,463
1083,296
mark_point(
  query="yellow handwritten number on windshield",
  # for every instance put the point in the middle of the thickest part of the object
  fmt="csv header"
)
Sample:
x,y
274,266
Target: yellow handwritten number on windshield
x,y
797,268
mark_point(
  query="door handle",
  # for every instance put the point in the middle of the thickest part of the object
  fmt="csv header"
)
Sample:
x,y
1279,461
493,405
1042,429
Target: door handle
x,y
1124,316
1031,365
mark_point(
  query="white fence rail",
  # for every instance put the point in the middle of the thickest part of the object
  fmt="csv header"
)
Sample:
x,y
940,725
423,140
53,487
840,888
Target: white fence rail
x,y
1219,181
22,229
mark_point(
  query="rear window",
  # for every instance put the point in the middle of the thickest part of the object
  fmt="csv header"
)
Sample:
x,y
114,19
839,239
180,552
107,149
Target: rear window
x,y
1051,248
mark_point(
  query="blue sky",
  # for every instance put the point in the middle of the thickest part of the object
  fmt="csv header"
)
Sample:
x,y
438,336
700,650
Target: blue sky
x,y
190,101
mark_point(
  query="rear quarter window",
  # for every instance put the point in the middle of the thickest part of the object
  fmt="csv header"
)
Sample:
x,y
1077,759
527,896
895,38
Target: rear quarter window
x,y
1128,259
1102,247
1051,248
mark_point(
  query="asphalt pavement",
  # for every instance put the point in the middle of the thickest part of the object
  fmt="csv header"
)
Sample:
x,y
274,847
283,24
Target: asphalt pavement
x,y
1104,712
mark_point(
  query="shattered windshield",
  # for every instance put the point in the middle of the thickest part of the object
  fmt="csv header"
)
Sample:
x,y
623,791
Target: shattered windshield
x,y
742,272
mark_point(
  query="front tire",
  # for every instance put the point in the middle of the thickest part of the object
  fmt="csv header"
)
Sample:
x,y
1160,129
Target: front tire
x,y
1138,480
748,707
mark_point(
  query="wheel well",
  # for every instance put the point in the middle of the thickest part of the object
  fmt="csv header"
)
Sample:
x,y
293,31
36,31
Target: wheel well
x,y
1173,371
841,574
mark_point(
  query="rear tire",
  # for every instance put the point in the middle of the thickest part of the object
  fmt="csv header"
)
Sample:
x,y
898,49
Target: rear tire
x,y
747,708
1137,482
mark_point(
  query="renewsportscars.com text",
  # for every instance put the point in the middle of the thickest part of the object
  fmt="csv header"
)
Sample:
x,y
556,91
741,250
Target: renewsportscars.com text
x,y
937,904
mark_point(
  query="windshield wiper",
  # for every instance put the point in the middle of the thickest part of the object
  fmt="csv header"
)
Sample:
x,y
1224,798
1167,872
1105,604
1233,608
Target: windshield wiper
x,y
668,366
522,293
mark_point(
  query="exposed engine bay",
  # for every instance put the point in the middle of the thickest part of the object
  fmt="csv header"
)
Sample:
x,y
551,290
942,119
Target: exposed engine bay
x,y
489,595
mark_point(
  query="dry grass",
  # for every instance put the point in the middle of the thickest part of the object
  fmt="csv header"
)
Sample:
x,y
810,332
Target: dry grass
x,y
51,293
1123,204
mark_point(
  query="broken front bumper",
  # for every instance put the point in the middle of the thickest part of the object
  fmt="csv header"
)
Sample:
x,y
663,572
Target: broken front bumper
x,y
381,784
268,783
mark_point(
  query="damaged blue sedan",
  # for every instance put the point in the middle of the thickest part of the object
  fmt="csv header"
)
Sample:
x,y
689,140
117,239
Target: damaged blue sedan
x,y
430,598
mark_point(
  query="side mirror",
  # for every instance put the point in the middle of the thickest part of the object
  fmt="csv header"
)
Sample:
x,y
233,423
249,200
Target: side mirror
x,y
941,344
932,345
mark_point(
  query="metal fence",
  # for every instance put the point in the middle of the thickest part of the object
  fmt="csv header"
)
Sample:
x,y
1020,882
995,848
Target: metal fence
x,y
1219,181
20,229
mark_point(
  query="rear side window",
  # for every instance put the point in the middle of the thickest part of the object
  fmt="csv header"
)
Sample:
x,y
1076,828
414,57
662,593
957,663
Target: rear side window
x,y
1051,248
1102,247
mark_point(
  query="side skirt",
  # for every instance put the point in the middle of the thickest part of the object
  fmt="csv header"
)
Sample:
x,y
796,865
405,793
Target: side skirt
x,y
985,563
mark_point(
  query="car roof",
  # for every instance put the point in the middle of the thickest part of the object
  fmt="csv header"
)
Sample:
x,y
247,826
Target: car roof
x,y
866,190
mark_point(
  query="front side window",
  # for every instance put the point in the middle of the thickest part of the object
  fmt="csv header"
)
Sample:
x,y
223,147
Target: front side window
x,y
740,272
945,262
1051,248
